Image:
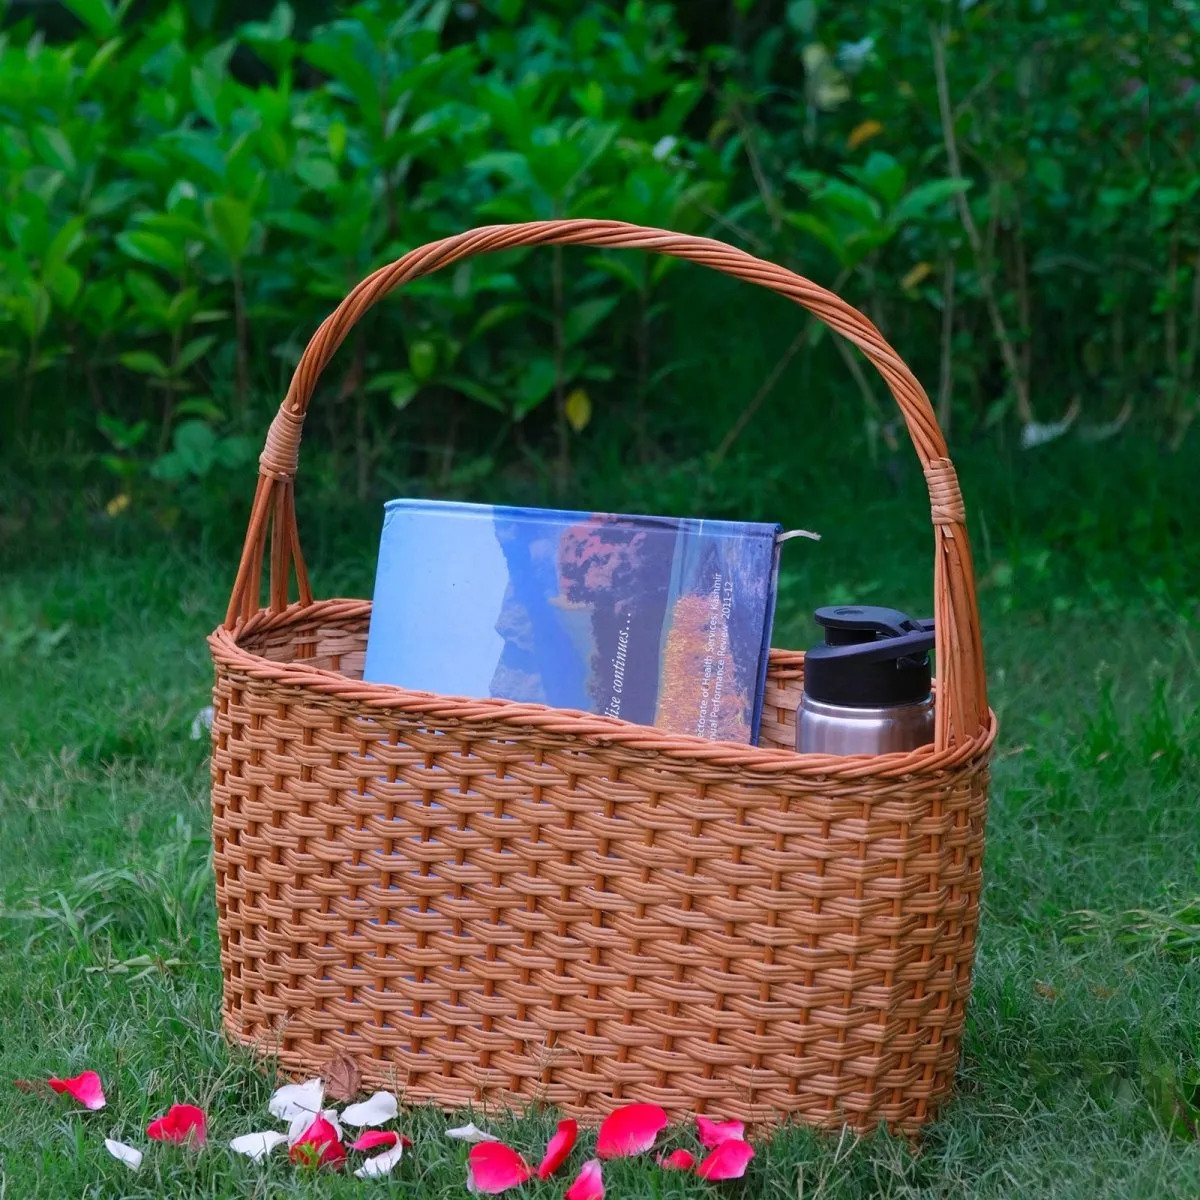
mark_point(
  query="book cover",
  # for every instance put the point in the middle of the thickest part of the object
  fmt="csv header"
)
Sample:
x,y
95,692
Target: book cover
x,y
656,620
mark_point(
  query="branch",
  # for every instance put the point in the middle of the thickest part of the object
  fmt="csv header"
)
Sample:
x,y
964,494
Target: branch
x,y
768,384
946,371
1007,351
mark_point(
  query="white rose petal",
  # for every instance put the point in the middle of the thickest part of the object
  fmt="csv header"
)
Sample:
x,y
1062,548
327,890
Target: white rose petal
x,y
202,722
469,1133
129,1155
293,1099
257,1145
377,1110
381,1164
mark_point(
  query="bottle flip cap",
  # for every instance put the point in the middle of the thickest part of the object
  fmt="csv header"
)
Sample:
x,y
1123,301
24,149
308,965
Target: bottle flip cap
x,y
871,658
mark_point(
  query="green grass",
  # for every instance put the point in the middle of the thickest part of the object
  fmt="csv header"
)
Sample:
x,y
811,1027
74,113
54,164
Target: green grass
x,y
1081,1067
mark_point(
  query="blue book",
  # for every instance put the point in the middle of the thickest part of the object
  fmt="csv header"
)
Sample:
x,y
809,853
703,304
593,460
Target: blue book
x,y
656,620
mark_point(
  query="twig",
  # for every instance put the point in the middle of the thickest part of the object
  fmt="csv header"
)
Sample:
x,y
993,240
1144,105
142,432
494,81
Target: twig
x,y
745,234
768,384
860,377
1007,351
946,370
770,202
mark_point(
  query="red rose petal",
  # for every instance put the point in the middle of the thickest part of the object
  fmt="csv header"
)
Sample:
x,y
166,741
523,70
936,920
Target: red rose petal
x,y
373,1138
728,1161
714,1133
183,1123
85,1088
677,1160
558,1147
630,1130
493,1167
589,1184
318,1145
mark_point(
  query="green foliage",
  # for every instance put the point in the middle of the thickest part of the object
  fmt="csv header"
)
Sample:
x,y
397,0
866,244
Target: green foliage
x,y
186,195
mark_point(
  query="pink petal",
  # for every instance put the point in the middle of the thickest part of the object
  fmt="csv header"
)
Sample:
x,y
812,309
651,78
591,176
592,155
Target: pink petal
x,y
558,1147
319,1146
588,1185
374,1138
183,1123
85,1088
713,1133
630,1130
494,1167
728,1161
677,1160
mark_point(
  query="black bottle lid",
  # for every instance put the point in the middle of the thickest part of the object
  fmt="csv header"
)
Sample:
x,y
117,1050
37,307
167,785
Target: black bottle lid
x,y
871,658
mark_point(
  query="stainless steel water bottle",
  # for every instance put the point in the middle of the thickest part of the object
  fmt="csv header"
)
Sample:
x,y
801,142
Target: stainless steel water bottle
x,y
867,687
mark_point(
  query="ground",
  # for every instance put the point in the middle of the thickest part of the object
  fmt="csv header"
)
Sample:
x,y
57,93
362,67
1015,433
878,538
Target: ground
x,y
1080,1072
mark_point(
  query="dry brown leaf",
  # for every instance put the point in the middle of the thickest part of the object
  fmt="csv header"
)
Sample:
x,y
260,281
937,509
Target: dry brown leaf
x,y
343,1080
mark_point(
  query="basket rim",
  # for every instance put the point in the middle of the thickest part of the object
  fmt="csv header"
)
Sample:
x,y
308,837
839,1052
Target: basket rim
x,y
563,726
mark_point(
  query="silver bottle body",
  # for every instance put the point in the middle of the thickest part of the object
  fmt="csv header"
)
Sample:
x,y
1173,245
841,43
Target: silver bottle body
x,y
838,729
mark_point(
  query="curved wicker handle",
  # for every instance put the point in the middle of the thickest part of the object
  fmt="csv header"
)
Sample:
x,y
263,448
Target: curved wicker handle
x,y
962,707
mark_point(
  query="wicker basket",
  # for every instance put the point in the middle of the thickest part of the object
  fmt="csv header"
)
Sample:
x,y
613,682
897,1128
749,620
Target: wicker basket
x,y
497,903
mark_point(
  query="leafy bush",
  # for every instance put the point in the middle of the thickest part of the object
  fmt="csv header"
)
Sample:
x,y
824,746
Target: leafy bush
x,y
182,208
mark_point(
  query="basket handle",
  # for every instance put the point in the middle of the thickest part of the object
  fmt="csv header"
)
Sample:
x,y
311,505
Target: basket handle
x,y
962,707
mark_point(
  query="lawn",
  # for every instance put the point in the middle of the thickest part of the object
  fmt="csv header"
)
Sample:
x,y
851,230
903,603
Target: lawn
x,y
1081,1066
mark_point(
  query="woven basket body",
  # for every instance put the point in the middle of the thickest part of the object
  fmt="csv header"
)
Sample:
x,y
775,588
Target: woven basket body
x,y
496,903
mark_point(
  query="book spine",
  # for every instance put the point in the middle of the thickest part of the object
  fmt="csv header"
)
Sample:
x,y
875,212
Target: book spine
x,y
760,690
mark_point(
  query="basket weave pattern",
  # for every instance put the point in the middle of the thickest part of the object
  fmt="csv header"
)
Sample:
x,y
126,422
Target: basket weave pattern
x,y
501,903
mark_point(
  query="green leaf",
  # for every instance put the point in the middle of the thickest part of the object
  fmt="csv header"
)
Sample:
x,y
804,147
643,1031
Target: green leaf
x,y
144,362
1049,173
391,382
196,349
486,396
64,243
508,163
230,221
147,294
235,451
152,248
882,174
422,359
200,406
98,15
497,316
50,144
337,141
619,267
536,382
64,282
584,317
196,443
802,16
112,196
99,62
926,196
853,201
277,28
818,229
104,298
319,173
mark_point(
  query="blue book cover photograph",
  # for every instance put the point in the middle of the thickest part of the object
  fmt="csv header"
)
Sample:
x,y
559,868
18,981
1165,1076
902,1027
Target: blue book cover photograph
x,y
656,620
